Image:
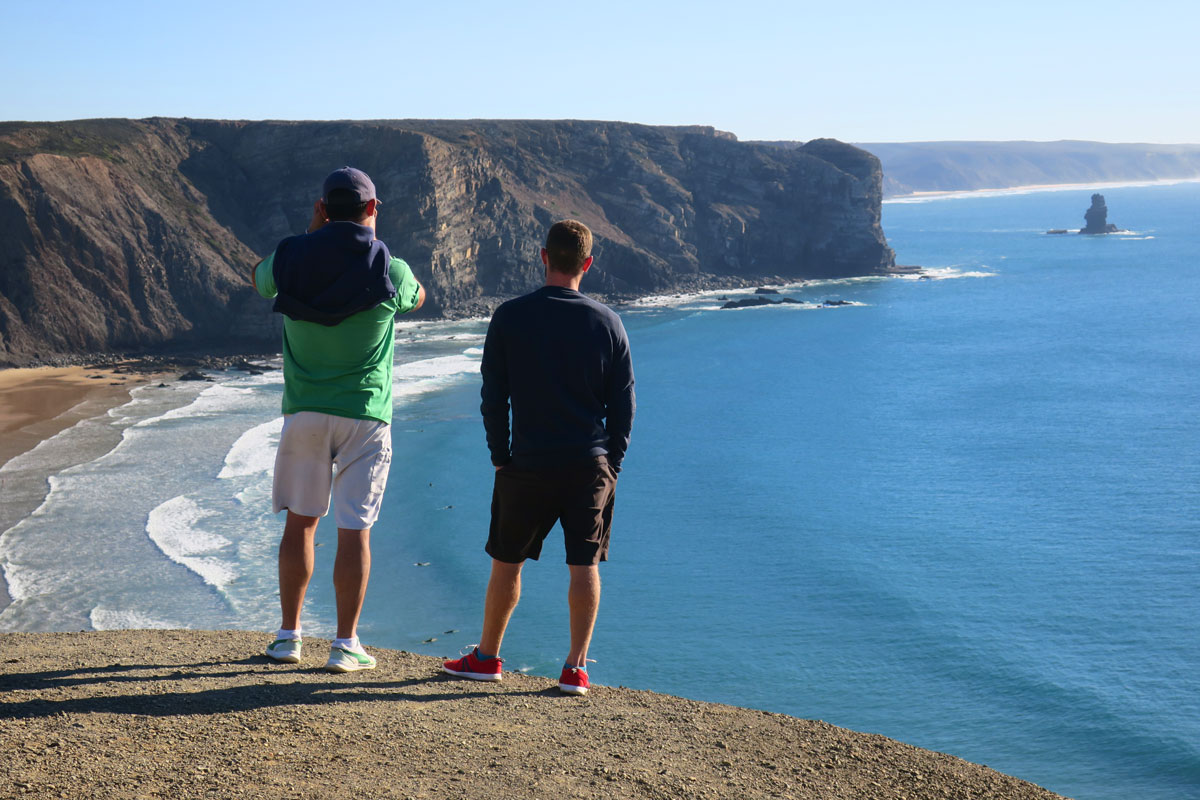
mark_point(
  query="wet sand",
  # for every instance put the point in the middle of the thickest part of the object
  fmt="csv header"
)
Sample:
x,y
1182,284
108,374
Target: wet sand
x,y
37,403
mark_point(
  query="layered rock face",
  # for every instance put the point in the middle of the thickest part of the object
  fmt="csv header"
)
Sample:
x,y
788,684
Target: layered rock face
x,y
135,235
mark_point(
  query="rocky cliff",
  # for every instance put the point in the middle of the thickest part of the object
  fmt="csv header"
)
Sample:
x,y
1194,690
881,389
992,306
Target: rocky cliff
x,y
135,235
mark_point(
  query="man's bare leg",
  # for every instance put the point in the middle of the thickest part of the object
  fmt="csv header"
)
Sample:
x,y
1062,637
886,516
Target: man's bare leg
x,y
503,592
583,597
351,570
295,566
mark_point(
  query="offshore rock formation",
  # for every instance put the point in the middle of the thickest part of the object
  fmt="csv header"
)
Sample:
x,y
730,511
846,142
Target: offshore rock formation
x,y
1096,217
137,235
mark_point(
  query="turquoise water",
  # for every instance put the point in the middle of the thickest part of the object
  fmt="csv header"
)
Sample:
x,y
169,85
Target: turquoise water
x,y
961,512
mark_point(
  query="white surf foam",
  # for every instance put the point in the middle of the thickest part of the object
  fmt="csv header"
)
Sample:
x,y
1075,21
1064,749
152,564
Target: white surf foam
x,y
105,619
431,374
254,451
215,400
948,273
465,330
172,526
425,337
440,367
678,299
20,581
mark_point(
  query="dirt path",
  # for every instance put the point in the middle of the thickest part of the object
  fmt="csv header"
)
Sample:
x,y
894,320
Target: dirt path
x,y
149,714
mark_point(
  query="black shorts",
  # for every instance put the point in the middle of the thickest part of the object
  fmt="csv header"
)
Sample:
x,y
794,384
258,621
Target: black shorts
x,y
526,503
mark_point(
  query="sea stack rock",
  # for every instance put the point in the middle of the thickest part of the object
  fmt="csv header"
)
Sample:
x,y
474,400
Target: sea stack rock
x,y
1096,217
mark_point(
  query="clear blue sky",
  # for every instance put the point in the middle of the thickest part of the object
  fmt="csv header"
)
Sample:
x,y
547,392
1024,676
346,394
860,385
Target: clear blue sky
x,y
863,71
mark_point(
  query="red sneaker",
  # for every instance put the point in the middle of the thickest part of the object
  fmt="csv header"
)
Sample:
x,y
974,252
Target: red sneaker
x,y
573,681
473,667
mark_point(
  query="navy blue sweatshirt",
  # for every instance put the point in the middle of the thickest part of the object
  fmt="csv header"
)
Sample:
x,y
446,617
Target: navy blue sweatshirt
x,y
337,270
563,361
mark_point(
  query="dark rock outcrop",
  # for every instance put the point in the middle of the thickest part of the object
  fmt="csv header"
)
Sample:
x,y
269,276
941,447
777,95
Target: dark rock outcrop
x,y
139,235
1096,217
757,300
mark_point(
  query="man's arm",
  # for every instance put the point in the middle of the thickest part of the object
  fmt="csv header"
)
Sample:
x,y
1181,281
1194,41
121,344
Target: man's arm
x,y
495,395
410,294
620,402
263,277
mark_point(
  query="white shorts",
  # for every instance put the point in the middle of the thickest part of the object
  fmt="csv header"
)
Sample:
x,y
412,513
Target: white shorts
x,y
311,445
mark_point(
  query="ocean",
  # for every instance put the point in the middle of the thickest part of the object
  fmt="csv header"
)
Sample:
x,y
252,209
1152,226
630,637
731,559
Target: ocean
x,y
960,511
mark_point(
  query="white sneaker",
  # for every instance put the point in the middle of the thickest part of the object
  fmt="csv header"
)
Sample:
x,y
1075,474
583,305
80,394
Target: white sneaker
x,y
342,660
285,650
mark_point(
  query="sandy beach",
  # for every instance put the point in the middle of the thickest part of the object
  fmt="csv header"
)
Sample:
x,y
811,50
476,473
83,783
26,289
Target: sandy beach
x,y
141,714
36,403
1033,187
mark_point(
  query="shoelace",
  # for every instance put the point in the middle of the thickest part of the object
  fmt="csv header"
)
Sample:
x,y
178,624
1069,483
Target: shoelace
x,y
470,649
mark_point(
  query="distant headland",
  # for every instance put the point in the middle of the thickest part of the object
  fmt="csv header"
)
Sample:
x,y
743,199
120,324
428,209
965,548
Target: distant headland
x,y
921,167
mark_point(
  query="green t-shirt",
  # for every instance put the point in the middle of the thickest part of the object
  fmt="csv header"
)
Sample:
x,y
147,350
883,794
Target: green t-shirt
x,y
344,370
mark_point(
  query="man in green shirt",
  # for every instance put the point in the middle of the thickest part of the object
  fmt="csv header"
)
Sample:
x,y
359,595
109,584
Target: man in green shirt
x,y
339,290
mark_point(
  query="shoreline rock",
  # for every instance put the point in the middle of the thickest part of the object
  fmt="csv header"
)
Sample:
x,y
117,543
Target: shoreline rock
x,y
200,713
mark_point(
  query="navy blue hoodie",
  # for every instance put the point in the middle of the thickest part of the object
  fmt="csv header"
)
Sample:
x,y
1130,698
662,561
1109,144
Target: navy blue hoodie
x,y
329,274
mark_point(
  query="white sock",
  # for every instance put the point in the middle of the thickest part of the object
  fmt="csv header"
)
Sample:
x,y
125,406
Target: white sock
x,y
285,634
349,644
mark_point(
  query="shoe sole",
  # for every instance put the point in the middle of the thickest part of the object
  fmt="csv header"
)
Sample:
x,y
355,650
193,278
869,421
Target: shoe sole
x,y
567,688
340,666
475,676
287,659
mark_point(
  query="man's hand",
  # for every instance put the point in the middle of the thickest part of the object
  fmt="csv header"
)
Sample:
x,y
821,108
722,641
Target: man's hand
x,y
318,218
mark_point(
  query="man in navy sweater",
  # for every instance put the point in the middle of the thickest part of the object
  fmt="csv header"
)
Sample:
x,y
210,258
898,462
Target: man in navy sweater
x,y
563,362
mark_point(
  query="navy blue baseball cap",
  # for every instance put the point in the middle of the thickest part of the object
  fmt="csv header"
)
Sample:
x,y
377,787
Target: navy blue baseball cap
x,y
351,180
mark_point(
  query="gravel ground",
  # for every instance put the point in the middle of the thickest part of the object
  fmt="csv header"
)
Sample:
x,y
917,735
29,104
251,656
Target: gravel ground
x,y
181,714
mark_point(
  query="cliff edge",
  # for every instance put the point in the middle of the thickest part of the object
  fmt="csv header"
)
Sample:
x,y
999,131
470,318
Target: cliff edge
x,y
131,714
137,235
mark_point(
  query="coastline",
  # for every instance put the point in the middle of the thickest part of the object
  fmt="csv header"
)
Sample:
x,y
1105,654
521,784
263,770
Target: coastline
x,y
39,402
918,197
202,713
